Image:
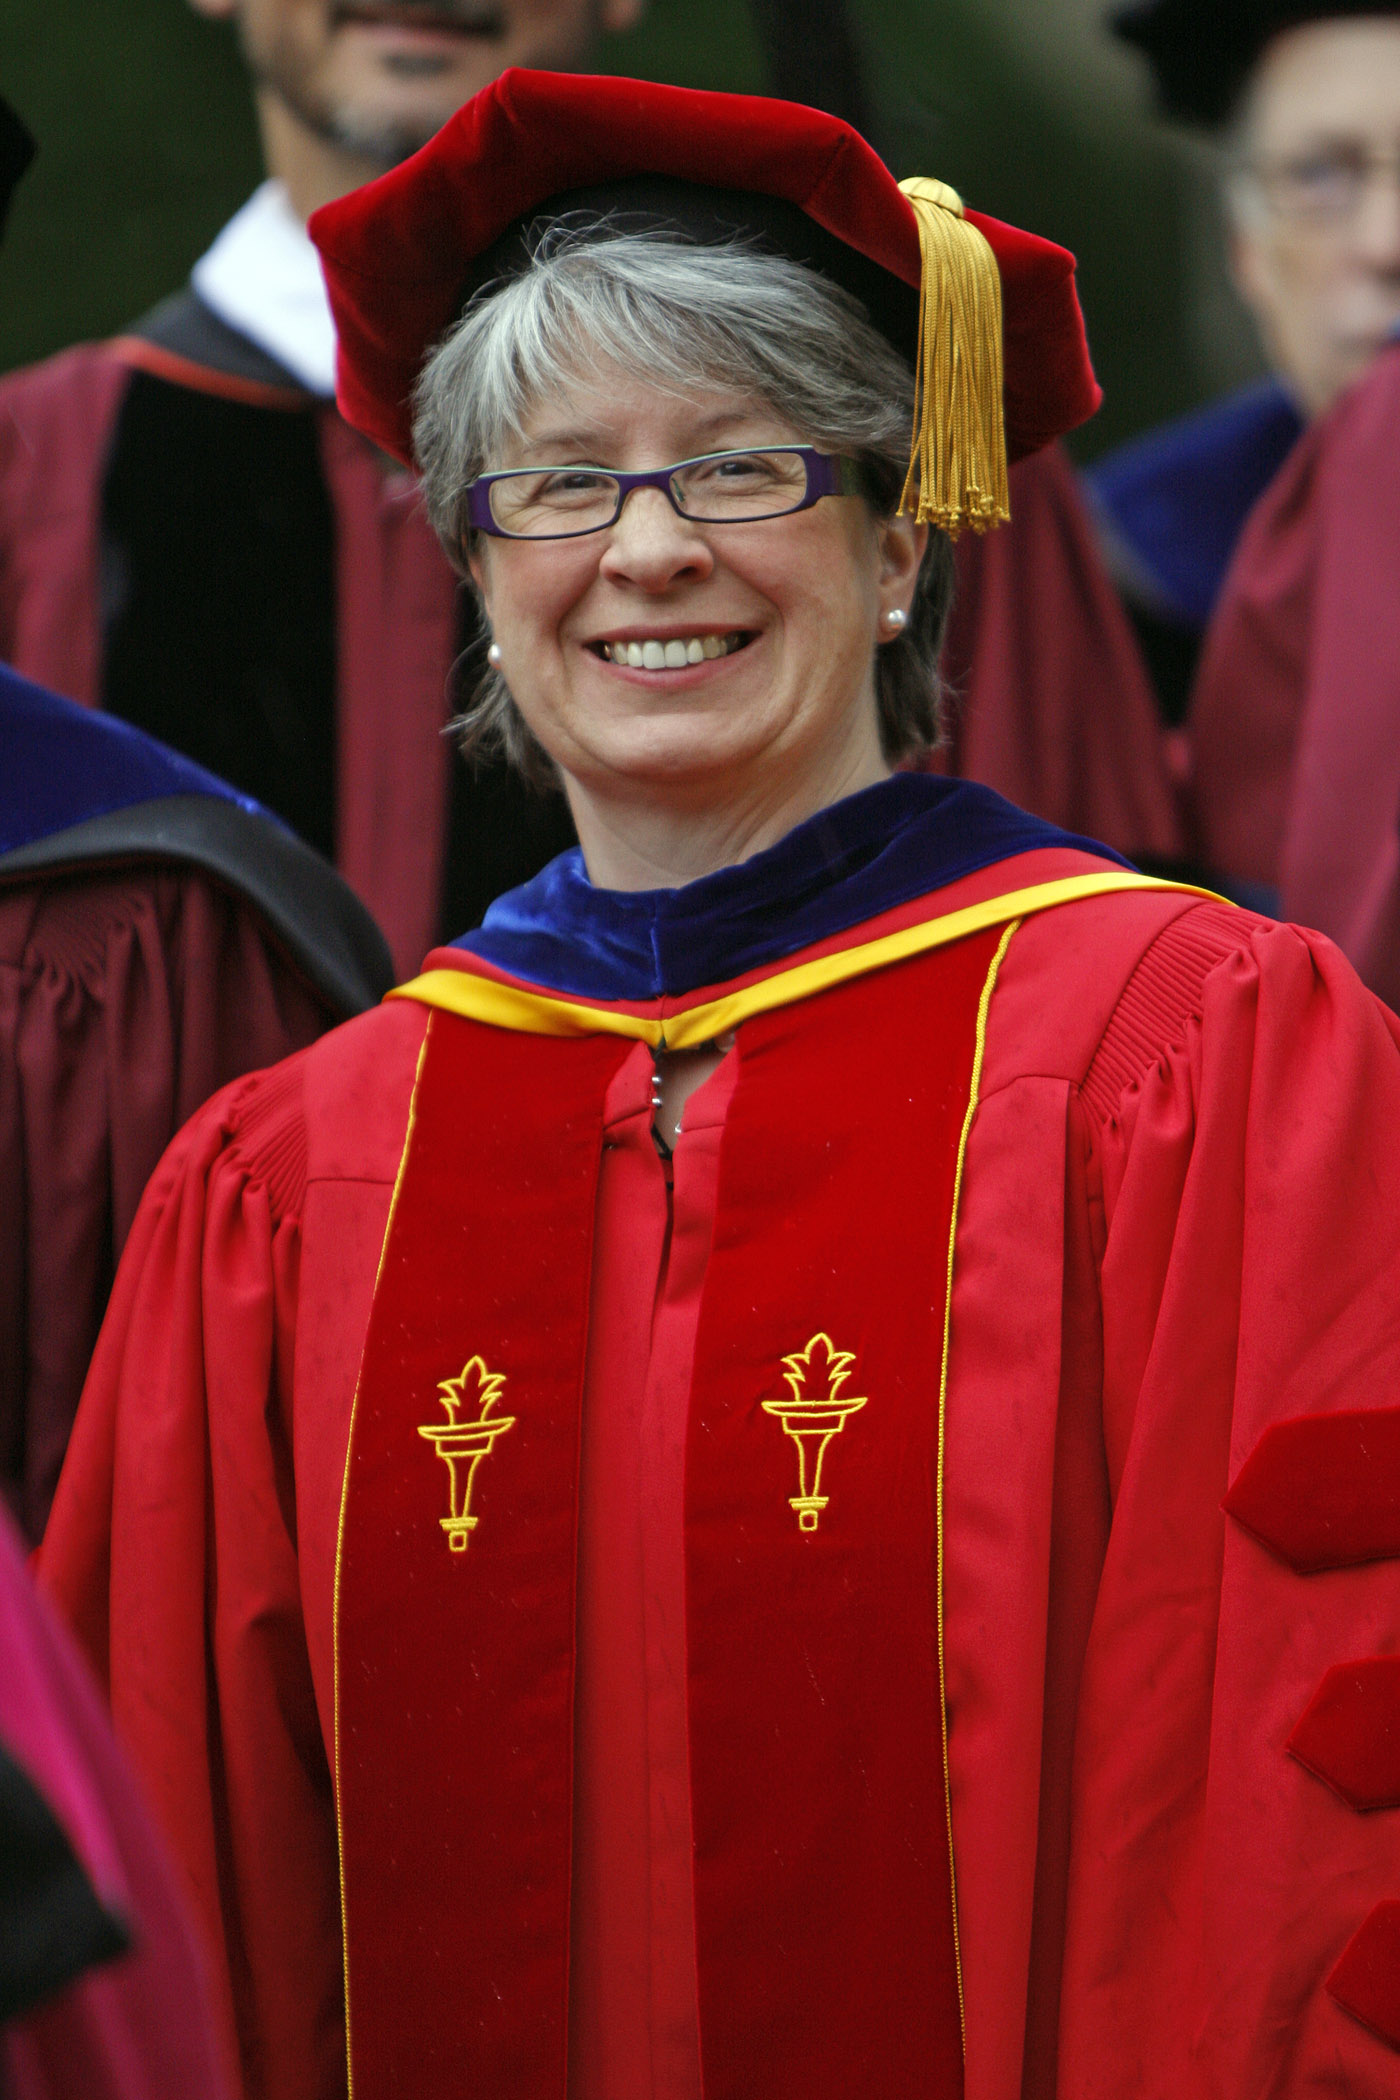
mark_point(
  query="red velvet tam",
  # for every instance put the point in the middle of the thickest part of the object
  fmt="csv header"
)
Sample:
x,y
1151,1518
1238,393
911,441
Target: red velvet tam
x,y
403,255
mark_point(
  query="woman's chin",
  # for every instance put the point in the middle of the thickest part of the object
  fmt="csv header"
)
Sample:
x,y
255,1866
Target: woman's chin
x,y
674,752
677,761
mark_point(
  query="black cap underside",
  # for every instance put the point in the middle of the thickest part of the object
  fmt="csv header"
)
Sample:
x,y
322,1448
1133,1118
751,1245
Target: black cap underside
x,y
708,217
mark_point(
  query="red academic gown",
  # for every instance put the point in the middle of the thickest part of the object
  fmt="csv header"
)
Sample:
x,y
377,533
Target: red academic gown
x,y
1175,1234
1296,718
1051,705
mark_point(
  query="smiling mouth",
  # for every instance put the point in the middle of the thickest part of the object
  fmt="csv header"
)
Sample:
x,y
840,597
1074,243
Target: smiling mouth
x,y
675,653
433,17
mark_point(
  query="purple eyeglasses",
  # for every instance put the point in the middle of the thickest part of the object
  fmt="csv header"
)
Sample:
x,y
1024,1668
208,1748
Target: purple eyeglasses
x,y
718,488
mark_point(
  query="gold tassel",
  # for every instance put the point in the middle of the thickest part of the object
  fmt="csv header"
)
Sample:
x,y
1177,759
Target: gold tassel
x,y
957,464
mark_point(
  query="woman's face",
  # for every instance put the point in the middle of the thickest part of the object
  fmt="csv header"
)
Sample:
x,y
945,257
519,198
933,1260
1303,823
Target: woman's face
x,y
787,717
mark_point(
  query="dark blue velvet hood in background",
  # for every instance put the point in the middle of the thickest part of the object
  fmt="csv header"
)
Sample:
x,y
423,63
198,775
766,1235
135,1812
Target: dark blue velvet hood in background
x,y
61,765
1176,498
877,849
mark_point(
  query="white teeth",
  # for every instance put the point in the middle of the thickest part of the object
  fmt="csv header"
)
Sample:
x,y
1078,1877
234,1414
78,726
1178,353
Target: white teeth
x,y
672,655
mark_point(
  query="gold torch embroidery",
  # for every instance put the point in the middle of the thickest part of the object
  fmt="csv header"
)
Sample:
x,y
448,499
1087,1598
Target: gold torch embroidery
x,y
817,1410
461,1443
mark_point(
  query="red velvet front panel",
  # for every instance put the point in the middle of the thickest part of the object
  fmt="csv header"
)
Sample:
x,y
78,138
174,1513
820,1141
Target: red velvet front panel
x,y
824,1912
455,1667
825,1927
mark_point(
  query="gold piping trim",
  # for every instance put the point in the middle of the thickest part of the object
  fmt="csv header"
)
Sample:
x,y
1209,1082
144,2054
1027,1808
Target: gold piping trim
x,y
538,1013
339,1548
983,1009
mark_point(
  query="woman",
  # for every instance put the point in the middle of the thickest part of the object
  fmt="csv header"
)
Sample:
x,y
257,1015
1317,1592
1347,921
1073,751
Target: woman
x,y
656,1504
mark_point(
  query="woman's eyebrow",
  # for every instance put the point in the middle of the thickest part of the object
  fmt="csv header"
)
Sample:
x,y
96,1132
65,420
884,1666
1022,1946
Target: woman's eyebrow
x,y
590,447
552,442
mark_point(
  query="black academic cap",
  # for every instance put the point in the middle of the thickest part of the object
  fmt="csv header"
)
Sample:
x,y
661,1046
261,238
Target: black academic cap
x,y
16,152
1202,51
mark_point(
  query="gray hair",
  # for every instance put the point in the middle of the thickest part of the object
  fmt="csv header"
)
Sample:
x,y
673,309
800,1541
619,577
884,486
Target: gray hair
x,y
685,318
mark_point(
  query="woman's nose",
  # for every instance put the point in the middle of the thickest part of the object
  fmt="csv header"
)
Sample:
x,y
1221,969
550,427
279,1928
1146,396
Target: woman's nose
x,y
653,545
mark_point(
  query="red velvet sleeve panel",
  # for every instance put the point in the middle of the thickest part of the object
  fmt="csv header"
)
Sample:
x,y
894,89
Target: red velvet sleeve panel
x,y
1051,705
125,1002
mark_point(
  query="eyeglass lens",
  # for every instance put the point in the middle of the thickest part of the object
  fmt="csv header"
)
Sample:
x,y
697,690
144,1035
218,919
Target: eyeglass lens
x,y
554,502
1327,186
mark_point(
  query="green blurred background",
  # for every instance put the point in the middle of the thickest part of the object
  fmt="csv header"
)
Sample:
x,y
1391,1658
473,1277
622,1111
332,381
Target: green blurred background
x,y
147,145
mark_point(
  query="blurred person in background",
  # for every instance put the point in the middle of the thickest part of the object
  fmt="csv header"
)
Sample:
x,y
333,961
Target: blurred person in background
x,y
159,936
192,539
103,1994
1303,99
1295,721
104,1989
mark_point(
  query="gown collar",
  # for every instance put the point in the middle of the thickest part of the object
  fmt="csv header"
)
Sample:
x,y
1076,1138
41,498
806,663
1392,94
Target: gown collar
x,y
875,850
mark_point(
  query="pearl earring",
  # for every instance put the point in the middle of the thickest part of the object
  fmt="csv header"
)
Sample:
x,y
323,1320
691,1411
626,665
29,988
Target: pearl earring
x,y
493,656
896,618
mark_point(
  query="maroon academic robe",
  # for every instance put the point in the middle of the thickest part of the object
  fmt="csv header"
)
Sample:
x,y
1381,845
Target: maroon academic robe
x,y
132,2025
1172,1280
1295,723
126,999
1051,705
1050,702
395,596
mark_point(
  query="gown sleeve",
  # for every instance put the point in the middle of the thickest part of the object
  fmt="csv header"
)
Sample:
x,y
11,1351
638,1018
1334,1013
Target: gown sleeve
x,y
125,1002
1236,1776
173,1552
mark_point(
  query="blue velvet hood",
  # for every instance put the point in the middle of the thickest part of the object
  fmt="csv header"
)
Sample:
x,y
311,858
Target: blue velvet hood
x,y
61,765
1176,498
867,854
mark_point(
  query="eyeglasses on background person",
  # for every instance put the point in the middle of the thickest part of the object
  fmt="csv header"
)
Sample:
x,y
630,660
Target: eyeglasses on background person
x,y
1326,187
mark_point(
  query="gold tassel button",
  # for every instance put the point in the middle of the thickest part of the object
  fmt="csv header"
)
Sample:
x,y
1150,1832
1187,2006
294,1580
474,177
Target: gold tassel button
x,y
957,461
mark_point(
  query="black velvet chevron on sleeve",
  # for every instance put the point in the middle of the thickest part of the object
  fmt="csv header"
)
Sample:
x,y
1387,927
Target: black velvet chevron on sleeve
x,y
218,572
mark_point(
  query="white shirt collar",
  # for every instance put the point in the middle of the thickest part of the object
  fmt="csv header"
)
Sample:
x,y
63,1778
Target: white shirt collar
x,y
263,277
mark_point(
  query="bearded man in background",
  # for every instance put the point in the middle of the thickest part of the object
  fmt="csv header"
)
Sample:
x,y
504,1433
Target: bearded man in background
x,y
191,538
